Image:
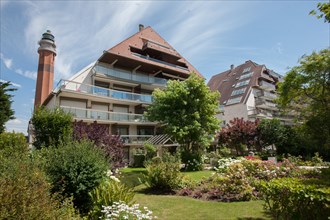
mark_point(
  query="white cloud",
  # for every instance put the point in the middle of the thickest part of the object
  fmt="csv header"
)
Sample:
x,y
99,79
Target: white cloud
x,y
8,62
14,84
17,125
26,73
9,65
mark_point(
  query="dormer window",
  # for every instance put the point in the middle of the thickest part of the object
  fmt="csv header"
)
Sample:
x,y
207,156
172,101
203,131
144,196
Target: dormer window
x,y
246,69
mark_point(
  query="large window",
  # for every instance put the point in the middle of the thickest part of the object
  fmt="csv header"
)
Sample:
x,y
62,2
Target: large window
x,y
246,69
247,75
243,83
234,100
238,92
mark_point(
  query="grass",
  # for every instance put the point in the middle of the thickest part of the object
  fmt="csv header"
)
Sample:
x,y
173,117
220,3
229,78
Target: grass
x,y
178,207
169,207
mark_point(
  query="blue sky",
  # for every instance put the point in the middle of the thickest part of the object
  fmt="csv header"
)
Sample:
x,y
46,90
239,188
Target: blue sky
x,y
212,35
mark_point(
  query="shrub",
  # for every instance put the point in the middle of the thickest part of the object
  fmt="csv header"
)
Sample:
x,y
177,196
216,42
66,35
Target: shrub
x,y
108,192
193,161
51,127
112,145
12,143
138,160
151,151
289,198
164,176
224,163
25,192
75,169
120,211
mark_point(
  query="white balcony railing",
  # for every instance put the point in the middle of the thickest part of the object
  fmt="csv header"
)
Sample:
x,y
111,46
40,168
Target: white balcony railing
x,y
135,139
267,86
99,91
81,113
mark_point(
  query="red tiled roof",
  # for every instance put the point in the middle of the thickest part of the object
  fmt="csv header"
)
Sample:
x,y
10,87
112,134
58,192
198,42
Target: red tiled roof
x,y
148,49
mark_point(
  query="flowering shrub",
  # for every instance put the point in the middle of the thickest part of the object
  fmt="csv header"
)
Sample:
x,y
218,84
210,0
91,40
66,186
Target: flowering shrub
x,y
107,193
121,211
164,176
224,163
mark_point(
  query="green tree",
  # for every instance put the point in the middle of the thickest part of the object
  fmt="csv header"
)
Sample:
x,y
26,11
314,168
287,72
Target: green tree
x,y
6,113
270,132
306,90
324,9
186,110
51,127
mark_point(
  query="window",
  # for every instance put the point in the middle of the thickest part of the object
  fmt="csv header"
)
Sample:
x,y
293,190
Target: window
x,y
234,100
246,69
238,92
247,75
243,83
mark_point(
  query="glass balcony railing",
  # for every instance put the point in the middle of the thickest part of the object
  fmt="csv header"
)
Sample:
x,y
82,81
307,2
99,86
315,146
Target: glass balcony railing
x,y
99,91
266,94
127,75
266,85
135,139
103,115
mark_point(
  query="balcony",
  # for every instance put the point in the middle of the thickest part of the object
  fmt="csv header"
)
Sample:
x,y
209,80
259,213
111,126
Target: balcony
x,y
260,103
135,139
266,95
103,92
114,117
160,61
267,77
127,75
267,86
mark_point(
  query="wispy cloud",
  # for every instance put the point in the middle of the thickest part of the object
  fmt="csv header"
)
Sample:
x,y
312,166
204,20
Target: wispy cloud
x,y
8,62
14,84
81,37
10,66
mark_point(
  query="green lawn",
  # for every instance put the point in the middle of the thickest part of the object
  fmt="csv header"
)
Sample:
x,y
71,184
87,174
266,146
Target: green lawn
x,y
181,208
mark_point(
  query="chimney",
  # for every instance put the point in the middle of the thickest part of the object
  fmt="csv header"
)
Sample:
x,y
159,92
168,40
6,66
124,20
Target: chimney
x,y
232,66
45,77
141,27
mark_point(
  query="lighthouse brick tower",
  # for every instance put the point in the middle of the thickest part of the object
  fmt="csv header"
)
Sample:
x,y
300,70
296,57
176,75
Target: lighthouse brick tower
x,y
45,78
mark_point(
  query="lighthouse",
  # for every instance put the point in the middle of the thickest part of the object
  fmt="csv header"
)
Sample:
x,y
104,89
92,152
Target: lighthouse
x,y
45,78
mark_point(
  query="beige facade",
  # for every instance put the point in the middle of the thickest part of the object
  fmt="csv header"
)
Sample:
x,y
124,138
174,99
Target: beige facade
x,y
116,89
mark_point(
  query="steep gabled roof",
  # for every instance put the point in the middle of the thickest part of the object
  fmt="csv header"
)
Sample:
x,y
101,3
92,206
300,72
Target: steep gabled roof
x,y
151,52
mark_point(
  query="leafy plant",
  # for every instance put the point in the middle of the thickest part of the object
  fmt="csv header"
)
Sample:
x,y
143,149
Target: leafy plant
x,y
239,133
74,170
111,145
12,143
51,127
107,193
163,176
6,113
25,191
289,198
187,109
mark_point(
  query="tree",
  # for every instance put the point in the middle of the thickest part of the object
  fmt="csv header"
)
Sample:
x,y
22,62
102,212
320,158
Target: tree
x,y
238,134
270,132
324,9
111,145
306,90
186,110
51,127
6,113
